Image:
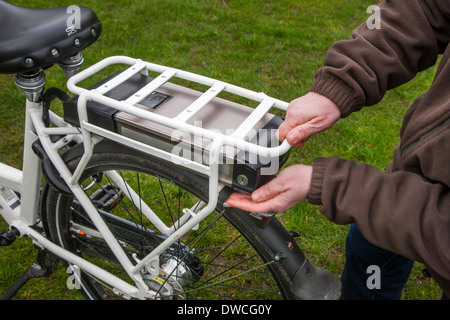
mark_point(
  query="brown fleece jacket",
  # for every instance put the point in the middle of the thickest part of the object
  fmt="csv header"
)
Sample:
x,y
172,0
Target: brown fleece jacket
x,y
407,209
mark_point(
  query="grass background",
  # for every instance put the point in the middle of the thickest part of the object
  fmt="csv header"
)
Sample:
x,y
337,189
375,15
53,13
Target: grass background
x,y
270,46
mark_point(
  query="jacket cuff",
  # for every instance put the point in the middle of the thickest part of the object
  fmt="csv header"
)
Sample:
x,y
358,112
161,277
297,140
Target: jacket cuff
x,y
315,192
339,92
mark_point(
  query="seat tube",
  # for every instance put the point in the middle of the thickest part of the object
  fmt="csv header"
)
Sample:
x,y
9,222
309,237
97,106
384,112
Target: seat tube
x,y
31,169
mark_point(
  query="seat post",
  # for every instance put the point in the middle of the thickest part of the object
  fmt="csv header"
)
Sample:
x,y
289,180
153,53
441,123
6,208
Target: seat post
x,y
32,84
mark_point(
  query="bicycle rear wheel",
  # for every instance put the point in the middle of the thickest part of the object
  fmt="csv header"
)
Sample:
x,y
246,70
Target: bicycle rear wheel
x,y
223,259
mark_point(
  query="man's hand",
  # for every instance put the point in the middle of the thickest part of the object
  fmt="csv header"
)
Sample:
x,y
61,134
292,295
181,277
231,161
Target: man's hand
x,y
290,187
307,115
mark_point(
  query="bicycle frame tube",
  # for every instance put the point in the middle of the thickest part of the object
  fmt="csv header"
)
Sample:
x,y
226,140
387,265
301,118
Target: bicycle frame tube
x,y
23,182
31,180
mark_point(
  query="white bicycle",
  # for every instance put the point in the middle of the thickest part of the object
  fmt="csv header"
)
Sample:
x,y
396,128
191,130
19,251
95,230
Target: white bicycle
x,y
137,172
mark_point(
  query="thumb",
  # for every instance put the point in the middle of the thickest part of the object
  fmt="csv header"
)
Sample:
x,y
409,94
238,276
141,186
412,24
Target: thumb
x,y
284,129
299,134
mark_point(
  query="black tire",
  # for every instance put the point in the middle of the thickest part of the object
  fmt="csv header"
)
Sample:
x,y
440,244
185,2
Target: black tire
x,y
64,219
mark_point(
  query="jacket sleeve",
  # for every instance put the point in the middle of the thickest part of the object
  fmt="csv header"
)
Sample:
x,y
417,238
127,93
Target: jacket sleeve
x,y
358,72
358,193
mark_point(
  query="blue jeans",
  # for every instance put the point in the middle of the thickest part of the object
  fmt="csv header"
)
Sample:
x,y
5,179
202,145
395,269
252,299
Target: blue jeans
x,y
393,270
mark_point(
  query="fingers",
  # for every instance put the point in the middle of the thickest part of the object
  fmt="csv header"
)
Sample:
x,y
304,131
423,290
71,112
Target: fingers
x,y
295,136
296,129
267,191
261,200
306,116
245,202
290,187
299,135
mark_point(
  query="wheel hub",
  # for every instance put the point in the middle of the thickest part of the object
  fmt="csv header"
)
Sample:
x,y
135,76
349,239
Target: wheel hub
x,y
174,276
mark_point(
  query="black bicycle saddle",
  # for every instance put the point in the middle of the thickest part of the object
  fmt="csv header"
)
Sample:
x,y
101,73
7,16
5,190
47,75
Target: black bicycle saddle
x,y
38,38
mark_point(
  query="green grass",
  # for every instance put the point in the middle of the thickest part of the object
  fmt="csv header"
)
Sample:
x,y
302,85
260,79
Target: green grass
x,y
269,46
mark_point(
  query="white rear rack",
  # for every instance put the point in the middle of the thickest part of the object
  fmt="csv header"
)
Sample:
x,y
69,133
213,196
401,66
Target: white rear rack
x,y
179,122
219,140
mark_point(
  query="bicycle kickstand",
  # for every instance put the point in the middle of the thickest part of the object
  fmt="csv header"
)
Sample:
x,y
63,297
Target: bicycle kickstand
x,y
45,264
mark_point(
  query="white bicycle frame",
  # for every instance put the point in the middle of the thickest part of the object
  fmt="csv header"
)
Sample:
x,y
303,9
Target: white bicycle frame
x,y
23,214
